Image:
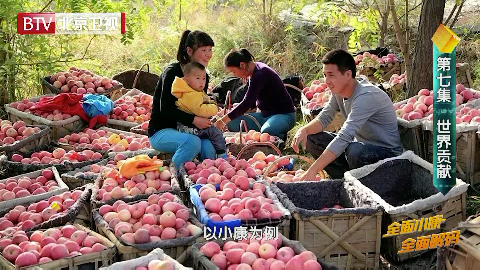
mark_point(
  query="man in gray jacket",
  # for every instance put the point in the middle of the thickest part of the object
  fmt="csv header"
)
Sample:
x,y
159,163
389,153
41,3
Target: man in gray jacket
x,y
370,132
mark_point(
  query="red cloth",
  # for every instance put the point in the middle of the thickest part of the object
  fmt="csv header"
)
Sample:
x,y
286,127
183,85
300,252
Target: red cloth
x,y
68,103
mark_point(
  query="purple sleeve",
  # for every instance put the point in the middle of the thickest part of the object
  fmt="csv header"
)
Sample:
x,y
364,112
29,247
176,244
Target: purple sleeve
x,y
249,101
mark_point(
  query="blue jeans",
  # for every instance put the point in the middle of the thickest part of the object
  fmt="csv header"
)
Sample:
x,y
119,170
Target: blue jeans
x,y
355,156
276,125
184,147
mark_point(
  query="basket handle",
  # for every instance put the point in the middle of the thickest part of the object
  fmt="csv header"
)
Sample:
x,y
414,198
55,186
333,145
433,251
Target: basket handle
x,y
306,159
293,87
244,124
273,146
254,120
228,102
138,74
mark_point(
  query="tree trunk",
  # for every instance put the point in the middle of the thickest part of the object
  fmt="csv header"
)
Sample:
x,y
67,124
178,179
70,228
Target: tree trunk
x,y
383,25
421,75
400,39
383,30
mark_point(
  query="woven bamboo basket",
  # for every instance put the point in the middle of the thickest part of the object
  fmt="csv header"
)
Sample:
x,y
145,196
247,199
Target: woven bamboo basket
x,y
139,79
59,128
123,133
251,148
267,148
175,248
202,262
48,88
69,216
30,143
96,203
13,168
38,197
92,260
348,238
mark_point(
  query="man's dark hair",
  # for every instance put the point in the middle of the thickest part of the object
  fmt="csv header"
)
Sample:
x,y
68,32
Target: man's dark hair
x,y
343,59
190,66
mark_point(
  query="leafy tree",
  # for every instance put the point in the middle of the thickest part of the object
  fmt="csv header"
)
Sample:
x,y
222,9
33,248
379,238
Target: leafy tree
x,y
24,59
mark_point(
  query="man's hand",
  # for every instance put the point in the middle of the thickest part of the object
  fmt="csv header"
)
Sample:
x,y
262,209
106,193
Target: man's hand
x,y
201,122
309,175
312,175
299,138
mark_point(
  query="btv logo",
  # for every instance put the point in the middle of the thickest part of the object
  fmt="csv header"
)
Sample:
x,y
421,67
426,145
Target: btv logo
x,y
35,23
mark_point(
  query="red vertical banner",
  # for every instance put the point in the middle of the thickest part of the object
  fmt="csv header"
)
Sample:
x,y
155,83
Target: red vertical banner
x,y
123,23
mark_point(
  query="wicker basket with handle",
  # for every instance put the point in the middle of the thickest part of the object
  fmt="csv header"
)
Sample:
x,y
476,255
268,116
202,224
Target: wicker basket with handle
x,y
235,148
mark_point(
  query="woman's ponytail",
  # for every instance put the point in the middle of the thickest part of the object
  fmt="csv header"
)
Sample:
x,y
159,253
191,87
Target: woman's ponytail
x,y
247,55
182,55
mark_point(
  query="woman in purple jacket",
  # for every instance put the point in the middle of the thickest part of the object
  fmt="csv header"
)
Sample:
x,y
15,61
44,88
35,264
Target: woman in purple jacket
x,y
266,91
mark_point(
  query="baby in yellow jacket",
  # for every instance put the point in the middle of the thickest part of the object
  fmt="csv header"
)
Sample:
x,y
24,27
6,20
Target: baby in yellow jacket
x,y
192,99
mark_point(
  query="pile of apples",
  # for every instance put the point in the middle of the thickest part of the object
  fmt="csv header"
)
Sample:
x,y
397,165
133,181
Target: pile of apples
x,y
46,246
106,141
465,94
260,162
219,170
371,60
397,82
36,213
81,81
283,176
259,254
158,218
157,265
11,133
317,94
136,108
416,107
249,137
422,105
58,156
26,104
14,188
238,201
116,186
